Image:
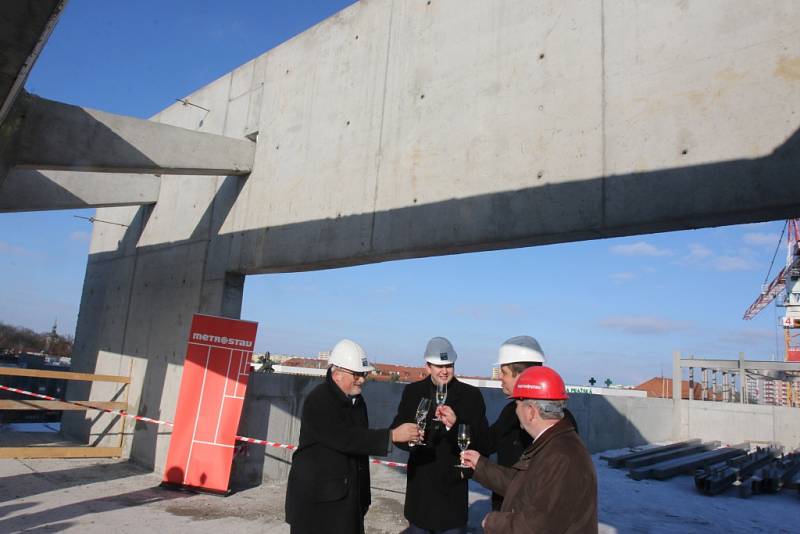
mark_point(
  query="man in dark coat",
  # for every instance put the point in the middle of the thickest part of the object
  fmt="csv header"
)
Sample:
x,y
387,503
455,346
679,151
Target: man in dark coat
x,y
436,490
506,437
553,486
328,489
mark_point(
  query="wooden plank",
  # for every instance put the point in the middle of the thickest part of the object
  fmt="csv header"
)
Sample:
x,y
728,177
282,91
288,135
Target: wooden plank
x,y
6,404
60,452
40,373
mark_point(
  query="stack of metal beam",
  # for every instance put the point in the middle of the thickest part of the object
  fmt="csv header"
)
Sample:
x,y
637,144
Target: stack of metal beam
x,y
715,479
667,461
781,472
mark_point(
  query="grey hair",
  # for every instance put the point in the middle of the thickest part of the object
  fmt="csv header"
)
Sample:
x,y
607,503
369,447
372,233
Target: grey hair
x,y
549,409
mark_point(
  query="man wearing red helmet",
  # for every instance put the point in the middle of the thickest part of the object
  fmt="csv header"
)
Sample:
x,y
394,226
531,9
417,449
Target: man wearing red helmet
x,y
553,486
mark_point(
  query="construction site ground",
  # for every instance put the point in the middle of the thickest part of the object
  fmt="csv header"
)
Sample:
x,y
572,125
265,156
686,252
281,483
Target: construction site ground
x,y
112,496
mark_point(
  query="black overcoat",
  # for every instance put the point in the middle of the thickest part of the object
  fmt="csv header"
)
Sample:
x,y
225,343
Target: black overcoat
x,y
328,488
436,490
508,439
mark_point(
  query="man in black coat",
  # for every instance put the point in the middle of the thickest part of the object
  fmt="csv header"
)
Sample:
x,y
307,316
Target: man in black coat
x,y
328,489
436,490
506,437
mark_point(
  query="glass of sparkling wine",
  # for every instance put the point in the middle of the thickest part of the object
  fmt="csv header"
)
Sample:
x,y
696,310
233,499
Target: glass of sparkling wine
x,y
441,395
421,416
463,441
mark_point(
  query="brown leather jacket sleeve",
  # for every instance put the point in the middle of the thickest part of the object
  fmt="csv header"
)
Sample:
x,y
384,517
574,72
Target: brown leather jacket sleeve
x,y
492,476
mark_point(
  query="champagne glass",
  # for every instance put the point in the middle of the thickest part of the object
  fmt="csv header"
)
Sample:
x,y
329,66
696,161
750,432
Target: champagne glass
x,y
421,415
441,395
463,440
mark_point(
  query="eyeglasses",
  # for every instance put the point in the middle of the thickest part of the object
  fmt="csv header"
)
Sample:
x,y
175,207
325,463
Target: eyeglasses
x,y
362,374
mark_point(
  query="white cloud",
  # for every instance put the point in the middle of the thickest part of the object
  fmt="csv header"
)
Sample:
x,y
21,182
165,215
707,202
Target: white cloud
x,y
756,238
733,263
15,250
702,256
621,278
698,252
642,325
80,236
640,248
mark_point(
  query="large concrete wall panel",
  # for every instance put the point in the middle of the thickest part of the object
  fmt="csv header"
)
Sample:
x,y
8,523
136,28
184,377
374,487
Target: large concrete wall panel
x,y
103,316
318,142
735,423
484,102
699,100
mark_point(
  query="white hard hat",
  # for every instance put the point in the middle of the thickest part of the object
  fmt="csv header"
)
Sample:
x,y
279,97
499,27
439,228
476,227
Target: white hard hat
x,y
349,355
440,352
521,349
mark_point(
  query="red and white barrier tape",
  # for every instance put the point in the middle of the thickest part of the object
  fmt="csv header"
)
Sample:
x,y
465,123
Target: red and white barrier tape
x,y
156,421
87,405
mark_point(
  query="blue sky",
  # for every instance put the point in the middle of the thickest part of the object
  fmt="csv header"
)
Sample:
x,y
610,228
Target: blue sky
x,y
612,308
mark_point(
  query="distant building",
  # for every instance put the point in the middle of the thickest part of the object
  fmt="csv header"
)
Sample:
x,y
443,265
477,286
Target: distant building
x,y
772,392
662,387
496,373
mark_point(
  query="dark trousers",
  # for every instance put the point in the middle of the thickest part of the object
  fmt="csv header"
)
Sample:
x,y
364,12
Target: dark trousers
x,y
414,529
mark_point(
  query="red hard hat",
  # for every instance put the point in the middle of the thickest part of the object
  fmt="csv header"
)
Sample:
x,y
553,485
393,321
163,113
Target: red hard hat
x,y
539,383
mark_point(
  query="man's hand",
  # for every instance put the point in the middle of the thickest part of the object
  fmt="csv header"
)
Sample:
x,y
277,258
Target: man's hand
x,y
446,414
483,523
470,458
405,433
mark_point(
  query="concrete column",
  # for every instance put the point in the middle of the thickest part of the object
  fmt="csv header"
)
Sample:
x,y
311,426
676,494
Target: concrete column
x,y
677,377
742,380
714,386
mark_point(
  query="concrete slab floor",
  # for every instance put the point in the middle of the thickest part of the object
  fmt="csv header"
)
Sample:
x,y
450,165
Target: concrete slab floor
x,y
116,497
102,496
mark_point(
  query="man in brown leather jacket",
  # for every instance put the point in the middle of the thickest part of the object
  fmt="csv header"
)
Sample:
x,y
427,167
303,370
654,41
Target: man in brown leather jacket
x,y
553,486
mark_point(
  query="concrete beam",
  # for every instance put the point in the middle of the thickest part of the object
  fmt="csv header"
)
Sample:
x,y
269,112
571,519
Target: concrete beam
x,y
29,190
60,136
745,364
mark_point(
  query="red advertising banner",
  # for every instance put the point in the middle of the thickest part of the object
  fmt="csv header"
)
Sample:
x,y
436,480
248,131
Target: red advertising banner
x,y
210,402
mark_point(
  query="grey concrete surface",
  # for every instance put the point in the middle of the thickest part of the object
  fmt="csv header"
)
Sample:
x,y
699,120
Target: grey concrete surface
x,y
735,423
400,129
97,497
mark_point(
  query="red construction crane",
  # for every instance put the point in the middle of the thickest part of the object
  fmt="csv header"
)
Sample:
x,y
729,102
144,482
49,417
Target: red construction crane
x,y
786,283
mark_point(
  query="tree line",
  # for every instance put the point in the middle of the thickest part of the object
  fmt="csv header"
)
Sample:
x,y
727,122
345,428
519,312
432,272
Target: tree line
x,y
20,339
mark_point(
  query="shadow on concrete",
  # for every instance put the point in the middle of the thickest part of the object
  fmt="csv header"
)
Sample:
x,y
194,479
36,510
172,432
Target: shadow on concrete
x,y
36,482
710,194
10,508
62,514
